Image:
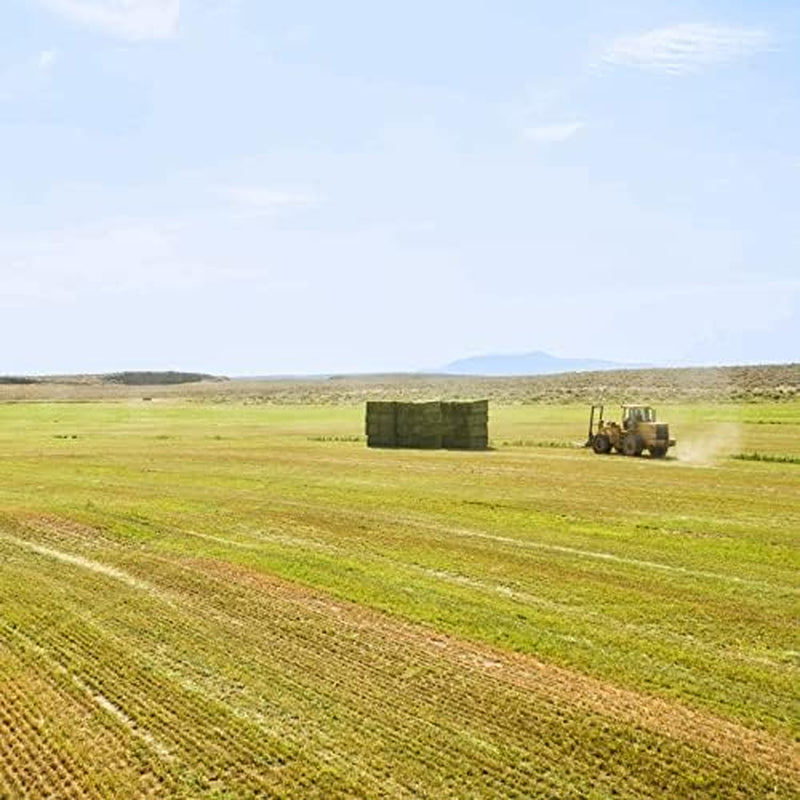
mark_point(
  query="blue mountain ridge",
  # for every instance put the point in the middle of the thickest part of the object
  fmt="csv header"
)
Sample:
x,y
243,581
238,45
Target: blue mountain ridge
x,y
534,363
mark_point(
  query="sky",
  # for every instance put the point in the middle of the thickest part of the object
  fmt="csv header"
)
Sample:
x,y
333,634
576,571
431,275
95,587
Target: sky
x,y
254,187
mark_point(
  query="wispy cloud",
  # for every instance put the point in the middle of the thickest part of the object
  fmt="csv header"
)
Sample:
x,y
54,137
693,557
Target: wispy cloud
x,y
257,201
27,77
128,19
683,49
298,36
112,257
47,58
557,132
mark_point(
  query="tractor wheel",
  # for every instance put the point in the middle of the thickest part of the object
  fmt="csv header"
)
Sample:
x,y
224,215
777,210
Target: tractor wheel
x,y
601,444
658,451
632,445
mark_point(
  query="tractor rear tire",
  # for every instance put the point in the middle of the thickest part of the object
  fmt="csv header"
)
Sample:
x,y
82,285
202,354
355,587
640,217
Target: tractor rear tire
x,y
632,445
601,444
658,451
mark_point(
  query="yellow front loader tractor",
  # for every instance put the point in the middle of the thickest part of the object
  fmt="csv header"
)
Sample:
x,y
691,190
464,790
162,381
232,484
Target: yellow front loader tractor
x,y
637,432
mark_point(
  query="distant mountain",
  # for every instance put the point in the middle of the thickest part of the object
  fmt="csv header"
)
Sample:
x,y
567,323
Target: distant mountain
x,y
536,363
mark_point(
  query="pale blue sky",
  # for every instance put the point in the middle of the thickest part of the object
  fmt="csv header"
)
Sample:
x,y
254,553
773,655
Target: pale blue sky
x,y
247,186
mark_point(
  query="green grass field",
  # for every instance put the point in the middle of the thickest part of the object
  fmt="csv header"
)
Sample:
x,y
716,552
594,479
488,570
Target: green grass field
x,y
233,600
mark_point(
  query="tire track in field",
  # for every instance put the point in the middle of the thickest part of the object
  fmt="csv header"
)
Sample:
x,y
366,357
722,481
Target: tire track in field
x,y
486,666
80,561
582,613
49,731
525,672
728,738
100,700
150,712
467,533
270,600
596,555
176,724
50,527
257,540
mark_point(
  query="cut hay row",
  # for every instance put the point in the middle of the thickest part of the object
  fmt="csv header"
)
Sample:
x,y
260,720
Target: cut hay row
x,y
322,696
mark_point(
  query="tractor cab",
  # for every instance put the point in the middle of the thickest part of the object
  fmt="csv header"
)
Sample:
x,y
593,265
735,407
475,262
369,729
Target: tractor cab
x,y
633,416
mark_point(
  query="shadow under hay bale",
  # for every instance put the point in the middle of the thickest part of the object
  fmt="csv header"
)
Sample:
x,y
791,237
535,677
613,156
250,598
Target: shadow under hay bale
x,y
432,425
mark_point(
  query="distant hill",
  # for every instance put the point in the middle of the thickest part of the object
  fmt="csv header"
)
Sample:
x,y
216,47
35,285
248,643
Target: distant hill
x,y
156,378
535,363
130,378
16,380
774,383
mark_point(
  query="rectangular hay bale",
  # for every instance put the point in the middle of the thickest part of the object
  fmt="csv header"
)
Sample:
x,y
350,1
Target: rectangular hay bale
x,y
419,425
428,425
465,425
381,423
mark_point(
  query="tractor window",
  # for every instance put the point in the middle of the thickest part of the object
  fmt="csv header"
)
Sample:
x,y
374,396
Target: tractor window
x,y
636,415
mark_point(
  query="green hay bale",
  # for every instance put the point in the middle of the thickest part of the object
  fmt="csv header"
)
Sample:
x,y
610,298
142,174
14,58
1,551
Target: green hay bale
x,y
419,425
431,425
465,425
381,423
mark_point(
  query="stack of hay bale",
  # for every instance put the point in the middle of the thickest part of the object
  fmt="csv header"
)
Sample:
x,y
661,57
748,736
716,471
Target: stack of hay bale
x,y
457,426
419,425
465,426
381,424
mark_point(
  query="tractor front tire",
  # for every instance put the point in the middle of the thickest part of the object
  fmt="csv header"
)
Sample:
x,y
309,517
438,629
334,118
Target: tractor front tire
x,y
658,451
632,445
601,444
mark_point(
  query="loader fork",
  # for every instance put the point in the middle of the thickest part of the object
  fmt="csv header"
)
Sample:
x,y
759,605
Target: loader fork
x,y
590,438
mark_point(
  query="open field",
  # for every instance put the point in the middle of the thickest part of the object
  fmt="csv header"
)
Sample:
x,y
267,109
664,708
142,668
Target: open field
x,y
234,598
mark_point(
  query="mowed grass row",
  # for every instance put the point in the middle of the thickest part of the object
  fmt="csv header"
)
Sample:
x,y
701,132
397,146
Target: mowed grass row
x,y
189,676
676,581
